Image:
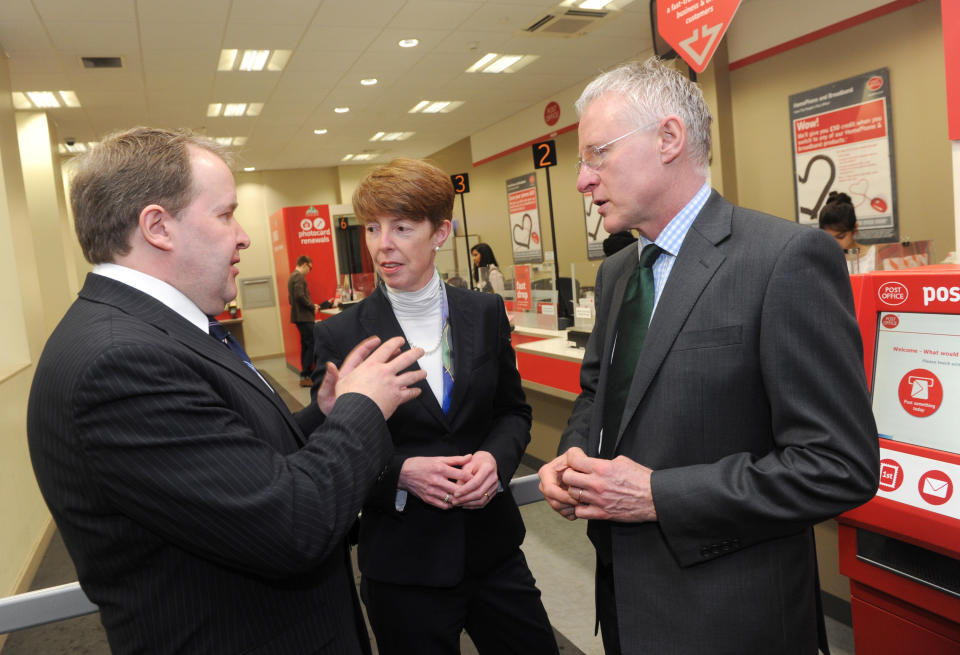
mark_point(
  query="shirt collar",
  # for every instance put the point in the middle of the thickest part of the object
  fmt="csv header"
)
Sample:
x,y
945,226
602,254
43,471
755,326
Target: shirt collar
x,y
157,289
671,237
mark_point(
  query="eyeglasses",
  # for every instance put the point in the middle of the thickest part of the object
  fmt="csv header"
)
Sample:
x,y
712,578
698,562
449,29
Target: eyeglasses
x,y
596,154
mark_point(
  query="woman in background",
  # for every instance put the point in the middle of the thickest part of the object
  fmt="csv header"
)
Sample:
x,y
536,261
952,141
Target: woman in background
x,y
440,532
483,256
839,219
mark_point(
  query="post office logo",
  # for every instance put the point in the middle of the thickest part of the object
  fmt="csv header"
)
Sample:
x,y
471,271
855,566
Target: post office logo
x,y
890,321
893,293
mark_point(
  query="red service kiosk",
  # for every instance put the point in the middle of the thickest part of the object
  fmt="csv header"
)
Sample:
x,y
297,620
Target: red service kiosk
x,y
901,550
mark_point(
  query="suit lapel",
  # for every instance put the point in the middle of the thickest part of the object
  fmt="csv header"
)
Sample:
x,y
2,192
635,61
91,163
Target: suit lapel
x,y
463,329
136,303
377,318
697,262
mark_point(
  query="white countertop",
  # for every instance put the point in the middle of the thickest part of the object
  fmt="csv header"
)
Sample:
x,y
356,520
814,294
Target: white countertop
x,y
557,347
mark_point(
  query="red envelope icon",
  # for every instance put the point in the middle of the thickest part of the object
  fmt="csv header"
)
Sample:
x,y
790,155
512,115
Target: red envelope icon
x,y
936,487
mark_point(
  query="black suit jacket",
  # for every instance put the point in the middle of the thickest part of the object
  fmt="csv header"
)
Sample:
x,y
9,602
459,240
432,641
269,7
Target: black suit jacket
x,y
201,515
750,403
424,545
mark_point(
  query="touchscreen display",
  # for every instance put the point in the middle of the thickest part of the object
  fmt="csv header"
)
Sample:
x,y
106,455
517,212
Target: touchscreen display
x,y
916,379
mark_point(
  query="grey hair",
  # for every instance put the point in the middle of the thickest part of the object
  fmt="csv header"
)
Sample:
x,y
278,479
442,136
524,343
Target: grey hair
x,y
653,91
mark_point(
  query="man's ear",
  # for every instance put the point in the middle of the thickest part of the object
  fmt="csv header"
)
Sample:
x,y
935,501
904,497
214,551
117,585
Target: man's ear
x,y
673,138
154,227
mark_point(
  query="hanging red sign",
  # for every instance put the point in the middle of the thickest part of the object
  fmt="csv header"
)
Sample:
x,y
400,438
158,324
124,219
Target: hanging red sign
x,y
694,27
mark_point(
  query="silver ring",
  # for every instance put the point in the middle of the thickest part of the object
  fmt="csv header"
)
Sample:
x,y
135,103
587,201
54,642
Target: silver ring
x,y
446,498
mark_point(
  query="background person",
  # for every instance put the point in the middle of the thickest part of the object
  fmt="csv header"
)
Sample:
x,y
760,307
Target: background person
x,y
704,449
440,533
201,515
483,256
839,219
303,314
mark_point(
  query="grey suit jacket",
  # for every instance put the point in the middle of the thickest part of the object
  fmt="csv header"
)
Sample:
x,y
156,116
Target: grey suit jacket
x,y
201,515
750,403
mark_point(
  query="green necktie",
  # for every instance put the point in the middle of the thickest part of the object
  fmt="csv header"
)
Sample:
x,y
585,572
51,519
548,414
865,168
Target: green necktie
x,y
635,313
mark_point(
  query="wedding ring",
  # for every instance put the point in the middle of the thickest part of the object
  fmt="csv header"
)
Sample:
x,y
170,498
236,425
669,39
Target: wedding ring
x,y
486,495
446,498
580,496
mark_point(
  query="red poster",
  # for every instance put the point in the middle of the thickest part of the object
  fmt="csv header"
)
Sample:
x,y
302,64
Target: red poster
x,y
694,27
296,231
521,283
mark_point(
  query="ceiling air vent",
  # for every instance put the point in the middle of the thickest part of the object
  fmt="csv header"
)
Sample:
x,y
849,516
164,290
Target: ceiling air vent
x,y
567,23
102,62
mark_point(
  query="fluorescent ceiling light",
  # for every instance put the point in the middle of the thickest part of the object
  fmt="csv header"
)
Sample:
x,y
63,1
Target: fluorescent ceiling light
x,y
249,168
214,109
320,131
69,98
408,43
43,99
370,81
253,60
392,136
278,60
341,110
231,140
496,63
233,109
21,101
254,108
239,140
363,156
435,106
594,4
227,60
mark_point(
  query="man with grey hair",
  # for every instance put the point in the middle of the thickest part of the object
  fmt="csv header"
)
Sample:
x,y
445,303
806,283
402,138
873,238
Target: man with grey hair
x,y
202,516
724,408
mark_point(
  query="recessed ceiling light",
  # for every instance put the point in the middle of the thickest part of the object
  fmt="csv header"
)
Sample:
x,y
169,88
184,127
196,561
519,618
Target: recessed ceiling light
x,y
493,62
408,43
435,106
369,81
249,168
320,131
341,110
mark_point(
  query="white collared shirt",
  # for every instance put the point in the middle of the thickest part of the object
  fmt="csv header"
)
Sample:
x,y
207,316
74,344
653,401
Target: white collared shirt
x,y
156,289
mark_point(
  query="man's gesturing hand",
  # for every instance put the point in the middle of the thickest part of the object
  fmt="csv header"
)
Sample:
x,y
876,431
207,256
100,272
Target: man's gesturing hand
x,y
376,372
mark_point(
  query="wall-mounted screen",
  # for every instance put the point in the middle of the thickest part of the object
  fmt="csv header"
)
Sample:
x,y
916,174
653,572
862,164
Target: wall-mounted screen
x,y
916,379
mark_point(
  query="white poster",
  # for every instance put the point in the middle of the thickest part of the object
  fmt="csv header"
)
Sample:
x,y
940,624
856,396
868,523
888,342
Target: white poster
x,y
841,142
595,232
524,219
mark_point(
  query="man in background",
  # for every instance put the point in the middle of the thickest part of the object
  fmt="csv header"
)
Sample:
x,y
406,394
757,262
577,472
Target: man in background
x,y
202,516
724,407
303,314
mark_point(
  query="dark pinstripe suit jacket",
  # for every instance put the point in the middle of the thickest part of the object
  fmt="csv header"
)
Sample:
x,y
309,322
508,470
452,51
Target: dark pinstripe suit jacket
x,y
202,516
423,545
749,402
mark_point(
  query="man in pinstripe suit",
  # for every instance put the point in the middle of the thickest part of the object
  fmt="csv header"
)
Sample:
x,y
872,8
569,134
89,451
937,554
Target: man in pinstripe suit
x,y
201,515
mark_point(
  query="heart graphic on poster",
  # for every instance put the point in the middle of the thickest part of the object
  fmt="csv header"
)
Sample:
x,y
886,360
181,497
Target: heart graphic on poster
x,y
522,231
858,190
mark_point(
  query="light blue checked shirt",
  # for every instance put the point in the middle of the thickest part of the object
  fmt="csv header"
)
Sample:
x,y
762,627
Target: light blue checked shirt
x,y
670,240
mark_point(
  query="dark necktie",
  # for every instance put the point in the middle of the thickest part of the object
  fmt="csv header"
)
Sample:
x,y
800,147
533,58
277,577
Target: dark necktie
x,y
222,335
635,313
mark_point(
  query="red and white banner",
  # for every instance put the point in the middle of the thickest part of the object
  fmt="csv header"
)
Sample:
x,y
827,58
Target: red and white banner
x,y
694,27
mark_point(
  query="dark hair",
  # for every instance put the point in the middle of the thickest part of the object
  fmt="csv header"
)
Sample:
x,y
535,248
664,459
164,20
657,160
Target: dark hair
x,y
126,172
838,213
303,259
405,188
617,242
486,258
